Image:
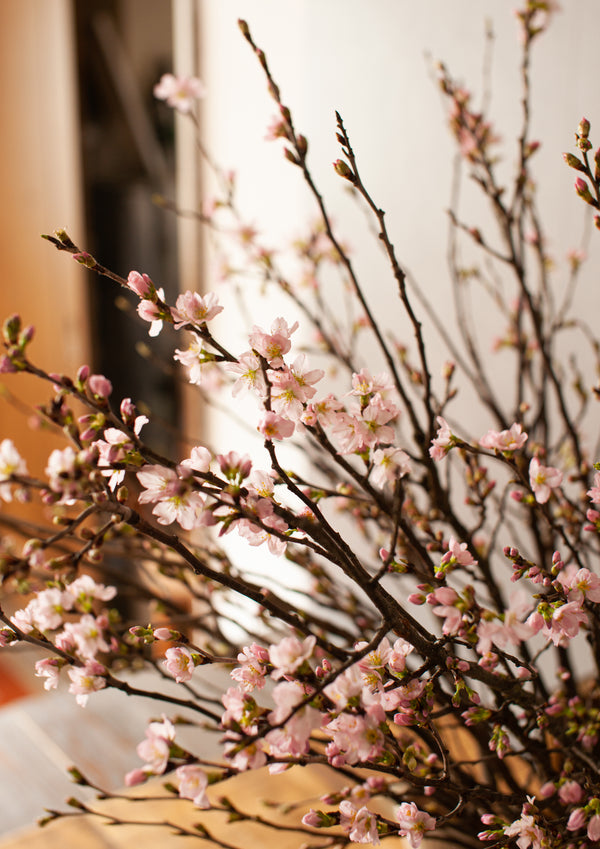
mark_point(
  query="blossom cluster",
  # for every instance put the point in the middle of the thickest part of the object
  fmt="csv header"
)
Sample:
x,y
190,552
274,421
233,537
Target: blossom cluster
x,y
431,585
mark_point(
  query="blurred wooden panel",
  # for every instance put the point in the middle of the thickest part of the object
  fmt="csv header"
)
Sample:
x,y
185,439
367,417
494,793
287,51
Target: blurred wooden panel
x,y
40,179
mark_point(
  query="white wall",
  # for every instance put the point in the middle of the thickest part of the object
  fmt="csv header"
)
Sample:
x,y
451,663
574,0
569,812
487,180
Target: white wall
x,y
373,62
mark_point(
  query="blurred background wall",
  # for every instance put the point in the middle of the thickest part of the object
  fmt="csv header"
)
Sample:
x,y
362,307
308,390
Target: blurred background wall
x,y
84,146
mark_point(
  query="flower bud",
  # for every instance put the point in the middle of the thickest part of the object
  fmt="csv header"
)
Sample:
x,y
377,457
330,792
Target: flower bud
x,y
573,162
85,259
100,386
583,129
582,189
122,495
7,366
302,145
141,285
64,238
11,329
343,170
291,156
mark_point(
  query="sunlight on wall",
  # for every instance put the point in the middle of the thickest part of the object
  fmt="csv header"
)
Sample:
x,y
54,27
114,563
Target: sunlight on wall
x,y
39,174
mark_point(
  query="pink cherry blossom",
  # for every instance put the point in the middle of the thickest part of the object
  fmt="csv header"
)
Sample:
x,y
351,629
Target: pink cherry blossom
x,y
292,739
156,747
192,308
458,553
11,463
48,668
174,500
184,507
414,823
443,441
273,426
179,662
375,416
445,599
355,738
86,680
87,635
272,346
179,92
249,757
290,653
527,832
511,630
389,464
359,824
202,369
543,479
594,493
287,396
257,534
262,483
46,611
315,819
305,377
504,440
199,459
325,412
563,625
365,385
250,375
193,782
153,312
397,659
581,584
252,672
351,433
345,687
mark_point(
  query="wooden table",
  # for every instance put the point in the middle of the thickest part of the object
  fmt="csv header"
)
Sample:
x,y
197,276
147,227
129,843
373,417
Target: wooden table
x,y
44,734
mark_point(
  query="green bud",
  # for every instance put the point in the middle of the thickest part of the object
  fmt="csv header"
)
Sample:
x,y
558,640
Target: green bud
x,y
85,259
64,238
122,495
573,162
583,129
11,329
291,156
343,170
76,776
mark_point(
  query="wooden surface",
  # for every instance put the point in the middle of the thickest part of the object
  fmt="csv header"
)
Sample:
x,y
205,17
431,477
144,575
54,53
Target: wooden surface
x,y
44,734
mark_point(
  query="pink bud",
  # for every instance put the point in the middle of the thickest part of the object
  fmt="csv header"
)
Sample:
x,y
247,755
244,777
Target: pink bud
x,y
7,366
571,792
136,776
141,284
416,598
576,820
100,385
